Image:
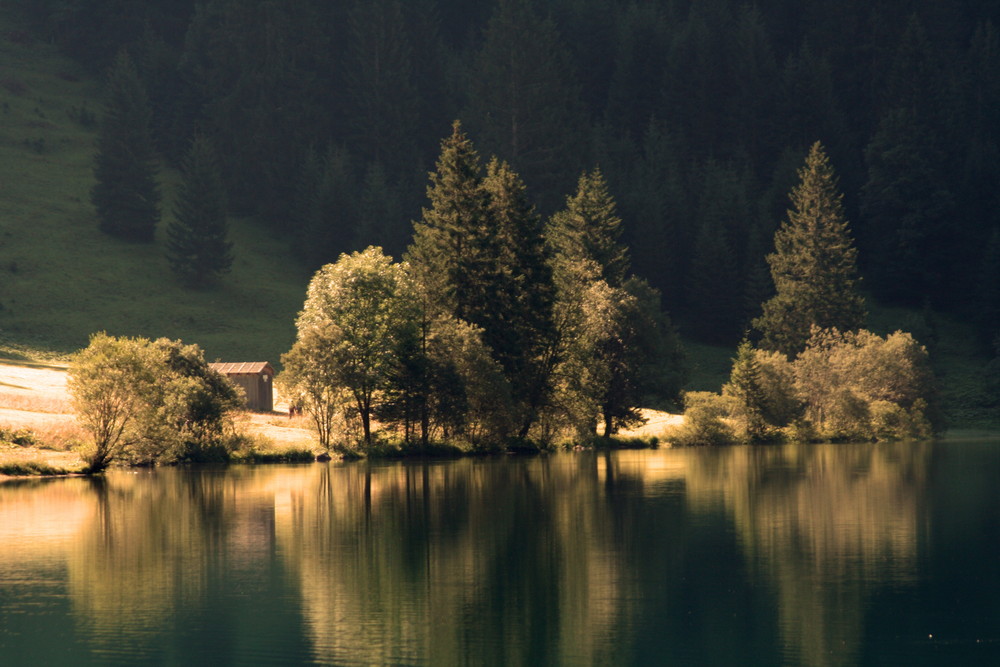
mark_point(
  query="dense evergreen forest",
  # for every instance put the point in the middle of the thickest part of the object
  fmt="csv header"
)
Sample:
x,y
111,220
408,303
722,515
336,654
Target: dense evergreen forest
x,y
327,117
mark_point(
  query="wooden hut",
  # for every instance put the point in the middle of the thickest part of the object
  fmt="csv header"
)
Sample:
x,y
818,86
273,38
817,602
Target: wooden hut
x,y
256,378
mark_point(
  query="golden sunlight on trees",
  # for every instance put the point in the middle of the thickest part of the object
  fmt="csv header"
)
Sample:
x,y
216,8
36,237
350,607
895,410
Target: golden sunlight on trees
x,y
149,401
842,386
354,315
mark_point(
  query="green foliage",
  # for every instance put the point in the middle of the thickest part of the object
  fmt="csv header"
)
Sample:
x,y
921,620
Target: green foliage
x,y
126,195
450,241
813,265
148,402
30,469
522,97
112,382
198,247
589,229
19,437
517,324
842,386
748,394
617,348
480,256
705,421
841,376
354,314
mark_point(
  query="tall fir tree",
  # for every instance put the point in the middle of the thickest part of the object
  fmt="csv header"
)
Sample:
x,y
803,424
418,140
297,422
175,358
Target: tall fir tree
x,y
380,90
198,247
523,99
814,264
589,229
126,195
519,325
714,286
449,250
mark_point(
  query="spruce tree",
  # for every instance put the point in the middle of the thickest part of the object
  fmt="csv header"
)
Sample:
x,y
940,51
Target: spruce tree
x,y
518,320
197,245
126,195
814,265
449,241
746,388
589,229
714,286
523,99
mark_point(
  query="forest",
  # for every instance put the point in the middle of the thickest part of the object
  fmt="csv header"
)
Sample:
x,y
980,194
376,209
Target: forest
x,y
327,117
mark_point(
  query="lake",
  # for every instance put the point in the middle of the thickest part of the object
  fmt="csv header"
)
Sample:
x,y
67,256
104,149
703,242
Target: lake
x,y
800,555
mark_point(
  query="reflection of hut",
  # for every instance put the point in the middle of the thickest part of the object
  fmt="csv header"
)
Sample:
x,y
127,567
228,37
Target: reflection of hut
x,y
256,378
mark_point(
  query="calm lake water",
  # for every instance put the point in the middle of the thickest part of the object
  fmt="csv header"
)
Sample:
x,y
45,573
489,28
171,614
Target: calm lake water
x,y
811,555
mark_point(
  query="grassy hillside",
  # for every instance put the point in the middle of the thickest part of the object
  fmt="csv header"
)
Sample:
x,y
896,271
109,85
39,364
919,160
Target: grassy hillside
x,y
61,279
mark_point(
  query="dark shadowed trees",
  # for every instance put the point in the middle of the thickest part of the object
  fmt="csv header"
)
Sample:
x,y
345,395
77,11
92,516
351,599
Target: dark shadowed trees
x,y
198,247
126,195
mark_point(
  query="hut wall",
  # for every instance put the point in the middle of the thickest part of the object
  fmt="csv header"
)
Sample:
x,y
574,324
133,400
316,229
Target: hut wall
x,y
258,390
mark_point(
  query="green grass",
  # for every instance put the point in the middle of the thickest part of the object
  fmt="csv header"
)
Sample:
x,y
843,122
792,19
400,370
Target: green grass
x,y
30,469
61,279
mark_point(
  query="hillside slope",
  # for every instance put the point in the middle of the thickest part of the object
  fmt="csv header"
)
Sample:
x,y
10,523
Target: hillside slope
x,y
61,279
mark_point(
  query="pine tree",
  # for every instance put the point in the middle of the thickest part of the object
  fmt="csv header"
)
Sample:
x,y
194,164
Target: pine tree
x,y
589,229
126,195
746,388
518,320
814,265
714,286
197,245
449,241
380,90
325,208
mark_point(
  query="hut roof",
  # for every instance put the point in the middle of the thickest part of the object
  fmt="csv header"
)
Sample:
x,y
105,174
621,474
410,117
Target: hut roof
x,y
242,367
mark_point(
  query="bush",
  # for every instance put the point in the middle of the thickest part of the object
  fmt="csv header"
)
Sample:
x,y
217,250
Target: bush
x,y
30,469
847,382
704,422
149,402
21,437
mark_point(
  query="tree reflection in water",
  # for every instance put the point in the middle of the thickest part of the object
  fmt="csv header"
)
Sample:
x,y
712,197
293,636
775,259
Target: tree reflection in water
x,y
720,556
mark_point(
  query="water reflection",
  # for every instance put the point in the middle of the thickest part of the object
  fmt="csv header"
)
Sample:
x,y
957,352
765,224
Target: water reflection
x,y
720,556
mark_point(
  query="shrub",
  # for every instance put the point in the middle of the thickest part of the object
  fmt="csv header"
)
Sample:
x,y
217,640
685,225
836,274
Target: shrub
x,y
842,377
704,423
21,437
150,402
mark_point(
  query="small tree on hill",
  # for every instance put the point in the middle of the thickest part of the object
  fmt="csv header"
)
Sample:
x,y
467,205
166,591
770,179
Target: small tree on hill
x,y
126,195
197,246
814,265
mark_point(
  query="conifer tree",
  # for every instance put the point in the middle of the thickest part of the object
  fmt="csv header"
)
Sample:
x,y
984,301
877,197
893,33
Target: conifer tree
x,y
126,195
814,265
746,388
518,323
198,248
522,96
589,229
714,286
449,241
